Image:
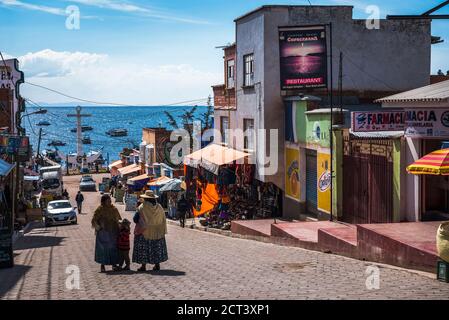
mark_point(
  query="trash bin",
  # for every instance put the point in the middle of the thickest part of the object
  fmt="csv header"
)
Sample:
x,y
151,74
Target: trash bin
x,y
443,252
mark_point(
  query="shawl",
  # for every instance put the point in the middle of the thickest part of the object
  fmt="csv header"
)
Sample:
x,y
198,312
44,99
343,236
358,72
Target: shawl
x,y
155,223
106,218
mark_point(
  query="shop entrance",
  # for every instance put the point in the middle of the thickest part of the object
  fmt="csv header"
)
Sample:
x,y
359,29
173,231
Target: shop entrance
x,y
311,182
367,181
435,189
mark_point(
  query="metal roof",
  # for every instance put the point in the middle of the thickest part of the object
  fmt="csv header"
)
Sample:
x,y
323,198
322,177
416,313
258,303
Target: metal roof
x,y
326,110
377,134
438,92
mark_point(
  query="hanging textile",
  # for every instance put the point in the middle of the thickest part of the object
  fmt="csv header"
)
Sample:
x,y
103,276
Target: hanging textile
x,y
209,199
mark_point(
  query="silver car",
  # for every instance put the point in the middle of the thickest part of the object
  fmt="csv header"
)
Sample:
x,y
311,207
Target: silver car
x,y
60,212
87,183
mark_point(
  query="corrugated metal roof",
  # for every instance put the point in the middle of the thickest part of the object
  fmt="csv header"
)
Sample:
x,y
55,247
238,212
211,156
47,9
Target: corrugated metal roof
x,y
377,134
433,93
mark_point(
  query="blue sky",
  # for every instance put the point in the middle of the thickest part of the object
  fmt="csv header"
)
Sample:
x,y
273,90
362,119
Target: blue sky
x,y
145,52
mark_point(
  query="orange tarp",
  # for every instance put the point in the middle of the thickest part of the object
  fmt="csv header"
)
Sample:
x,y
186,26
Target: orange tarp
x,y
209,199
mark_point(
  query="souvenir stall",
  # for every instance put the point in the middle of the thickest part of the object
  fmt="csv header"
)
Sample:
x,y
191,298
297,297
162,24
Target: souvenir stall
x,y
172,192
223,188
156,184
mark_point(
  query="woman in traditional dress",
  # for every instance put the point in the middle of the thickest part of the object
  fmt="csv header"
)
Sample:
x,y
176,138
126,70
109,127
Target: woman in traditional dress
x,y
149,235
106,224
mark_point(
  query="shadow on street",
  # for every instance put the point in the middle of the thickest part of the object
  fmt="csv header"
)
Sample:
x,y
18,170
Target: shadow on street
x,y
9,278
37,241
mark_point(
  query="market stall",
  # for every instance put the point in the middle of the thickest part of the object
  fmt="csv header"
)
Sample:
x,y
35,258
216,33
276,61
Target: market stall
x,y
172,191
221,185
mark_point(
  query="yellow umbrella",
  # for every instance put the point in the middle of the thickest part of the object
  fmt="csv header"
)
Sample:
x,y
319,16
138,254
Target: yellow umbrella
x,y
435,163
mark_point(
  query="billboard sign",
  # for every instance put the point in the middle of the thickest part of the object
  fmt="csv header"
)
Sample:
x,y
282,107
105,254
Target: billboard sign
x,y
303,57
378,121
427,123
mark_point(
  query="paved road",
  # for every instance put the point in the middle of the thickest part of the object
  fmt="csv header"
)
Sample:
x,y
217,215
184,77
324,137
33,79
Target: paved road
x,y
201,266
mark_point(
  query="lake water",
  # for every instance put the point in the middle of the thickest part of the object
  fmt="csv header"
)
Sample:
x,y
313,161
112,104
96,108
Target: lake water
x,y
102,119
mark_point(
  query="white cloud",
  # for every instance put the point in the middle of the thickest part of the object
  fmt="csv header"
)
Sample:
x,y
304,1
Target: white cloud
x,y
126,7
98,77
49,63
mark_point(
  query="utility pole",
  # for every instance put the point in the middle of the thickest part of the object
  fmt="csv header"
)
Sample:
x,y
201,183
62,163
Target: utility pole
x,y
79,144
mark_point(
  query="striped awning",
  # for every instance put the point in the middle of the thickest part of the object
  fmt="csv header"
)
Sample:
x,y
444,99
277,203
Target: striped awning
x,y
435,163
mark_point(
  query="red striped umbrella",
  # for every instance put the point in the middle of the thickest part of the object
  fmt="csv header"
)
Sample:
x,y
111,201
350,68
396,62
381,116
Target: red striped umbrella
x,y
435,163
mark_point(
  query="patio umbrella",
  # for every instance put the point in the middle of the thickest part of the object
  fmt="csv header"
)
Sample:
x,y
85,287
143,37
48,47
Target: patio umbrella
x,y
435,163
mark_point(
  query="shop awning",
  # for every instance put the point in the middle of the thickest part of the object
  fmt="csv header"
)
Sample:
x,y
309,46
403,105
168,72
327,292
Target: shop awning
x,y
435,163
117,164
139,178
172,186
158,182
5,168
129,170
213,156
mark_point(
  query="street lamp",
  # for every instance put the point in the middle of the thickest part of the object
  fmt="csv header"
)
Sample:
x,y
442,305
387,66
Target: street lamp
x,y
40,111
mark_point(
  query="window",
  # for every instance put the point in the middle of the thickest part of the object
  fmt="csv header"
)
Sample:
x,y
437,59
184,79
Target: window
x,y
224,127
230,74
248,69
248,130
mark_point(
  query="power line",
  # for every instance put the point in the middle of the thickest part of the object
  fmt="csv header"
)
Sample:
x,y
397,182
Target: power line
x,y
107,103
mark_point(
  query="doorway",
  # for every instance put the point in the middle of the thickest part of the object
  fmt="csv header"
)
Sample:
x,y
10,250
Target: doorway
x,y
435,189
311,182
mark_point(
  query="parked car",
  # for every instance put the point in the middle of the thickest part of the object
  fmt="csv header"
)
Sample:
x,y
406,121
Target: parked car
x,y
87,183
60,212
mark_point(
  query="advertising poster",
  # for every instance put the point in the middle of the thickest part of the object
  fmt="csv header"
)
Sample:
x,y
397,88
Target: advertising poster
x,y
427,123
324,182
292,187
303,57
378,121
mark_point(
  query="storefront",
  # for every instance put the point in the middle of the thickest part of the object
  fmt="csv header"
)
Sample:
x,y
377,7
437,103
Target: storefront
x,y
6,213
307,159
425,114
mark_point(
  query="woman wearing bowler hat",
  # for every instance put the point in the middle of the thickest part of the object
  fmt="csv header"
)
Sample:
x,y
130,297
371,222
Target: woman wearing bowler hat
x,y
149,235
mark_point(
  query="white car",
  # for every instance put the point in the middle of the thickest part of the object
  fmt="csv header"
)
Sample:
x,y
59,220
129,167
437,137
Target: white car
x,y
60,212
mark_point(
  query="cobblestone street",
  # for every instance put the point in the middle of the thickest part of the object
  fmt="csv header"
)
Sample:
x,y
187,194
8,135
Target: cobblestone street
x,y
201,266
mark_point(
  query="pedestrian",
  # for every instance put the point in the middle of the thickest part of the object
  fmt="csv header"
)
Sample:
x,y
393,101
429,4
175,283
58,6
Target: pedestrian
x,y
65,194
123,245
79,202
106,224
183,208
150,246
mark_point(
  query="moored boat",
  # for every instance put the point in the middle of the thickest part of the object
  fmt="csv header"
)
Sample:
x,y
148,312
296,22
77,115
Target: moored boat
x,y
117,132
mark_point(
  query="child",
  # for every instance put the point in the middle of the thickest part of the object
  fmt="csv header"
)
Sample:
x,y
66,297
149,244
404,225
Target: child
x,y
123,244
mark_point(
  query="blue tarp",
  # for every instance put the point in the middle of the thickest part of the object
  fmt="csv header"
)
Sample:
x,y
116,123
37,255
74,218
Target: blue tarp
x,y
5,168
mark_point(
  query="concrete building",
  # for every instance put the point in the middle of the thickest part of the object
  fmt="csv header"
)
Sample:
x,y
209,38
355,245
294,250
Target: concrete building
x,y
376,63
426,121
224,97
